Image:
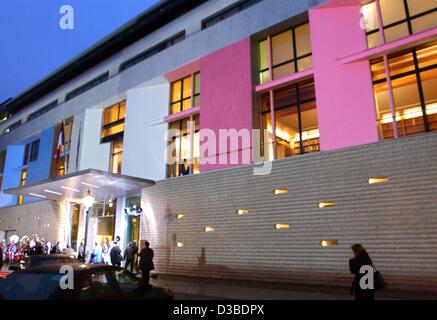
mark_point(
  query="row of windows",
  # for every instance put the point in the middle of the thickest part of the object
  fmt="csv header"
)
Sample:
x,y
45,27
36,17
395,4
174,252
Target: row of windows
x,y
87,86
228,12
42,110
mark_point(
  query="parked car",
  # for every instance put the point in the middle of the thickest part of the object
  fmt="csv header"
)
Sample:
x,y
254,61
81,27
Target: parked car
x,y
42,260
91,282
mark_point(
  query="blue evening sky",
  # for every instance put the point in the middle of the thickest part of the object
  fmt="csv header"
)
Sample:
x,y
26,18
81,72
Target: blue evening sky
x,y
32,44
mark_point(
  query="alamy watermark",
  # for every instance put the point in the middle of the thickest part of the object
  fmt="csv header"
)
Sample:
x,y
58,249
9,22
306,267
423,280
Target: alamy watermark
x,y
66,22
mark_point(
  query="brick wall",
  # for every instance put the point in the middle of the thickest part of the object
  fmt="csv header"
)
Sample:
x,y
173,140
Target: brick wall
x,y
396,221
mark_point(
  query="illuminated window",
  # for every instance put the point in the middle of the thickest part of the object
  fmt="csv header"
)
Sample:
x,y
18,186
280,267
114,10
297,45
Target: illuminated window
x,y
59,168
414,81
23,177
400,18
113,122
116,156
184,145
328,243
185,93
290,53
296,126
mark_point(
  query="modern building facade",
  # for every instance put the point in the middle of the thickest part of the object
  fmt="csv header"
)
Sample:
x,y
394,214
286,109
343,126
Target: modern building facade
x,y
277,133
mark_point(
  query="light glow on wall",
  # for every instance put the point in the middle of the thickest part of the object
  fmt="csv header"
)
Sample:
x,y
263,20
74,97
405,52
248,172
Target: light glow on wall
x,y
280,226
375,180
209,229
326,204
242,211
180,215
179,244
280,191
328,243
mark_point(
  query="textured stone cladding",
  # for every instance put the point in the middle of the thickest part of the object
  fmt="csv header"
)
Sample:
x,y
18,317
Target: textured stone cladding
x,y
43,218
396,221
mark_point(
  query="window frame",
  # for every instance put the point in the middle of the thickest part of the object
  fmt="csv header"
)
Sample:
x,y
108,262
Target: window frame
x,y
294,61
109,125
416,72
193,93
408,20
297,106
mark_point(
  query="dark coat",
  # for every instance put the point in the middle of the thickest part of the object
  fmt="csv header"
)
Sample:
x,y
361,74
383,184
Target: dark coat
x,y
355,265
146,260
129,253
115,255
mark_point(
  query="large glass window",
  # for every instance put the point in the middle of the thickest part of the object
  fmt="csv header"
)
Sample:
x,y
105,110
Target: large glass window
x,y
185,93
105,213
23,177
290,53
400,18
113,122
184,147
413,76
116,156
296,128
59,168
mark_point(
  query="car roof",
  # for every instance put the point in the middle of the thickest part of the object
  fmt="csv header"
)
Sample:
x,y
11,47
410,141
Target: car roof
x,y
77,268
52,256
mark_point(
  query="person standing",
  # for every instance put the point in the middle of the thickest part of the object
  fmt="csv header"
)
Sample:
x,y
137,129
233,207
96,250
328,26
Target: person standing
x,y
146,263
81,253
115,255
97,254
129,255
360,258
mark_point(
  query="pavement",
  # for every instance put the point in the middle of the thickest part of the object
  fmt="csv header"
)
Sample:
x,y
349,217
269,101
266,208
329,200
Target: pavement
x,y
186,288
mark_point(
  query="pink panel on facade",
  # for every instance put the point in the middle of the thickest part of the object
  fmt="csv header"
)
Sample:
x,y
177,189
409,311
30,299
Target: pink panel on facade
x,y
226,98
183,71
345,102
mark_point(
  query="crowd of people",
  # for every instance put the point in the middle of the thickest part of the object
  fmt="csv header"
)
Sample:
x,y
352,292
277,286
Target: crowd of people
x,y
12,252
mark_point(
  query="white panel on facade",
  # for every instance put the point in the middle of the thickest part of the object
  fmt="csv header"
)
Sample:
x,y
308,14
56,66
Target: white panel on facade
x,y
145,131
93,154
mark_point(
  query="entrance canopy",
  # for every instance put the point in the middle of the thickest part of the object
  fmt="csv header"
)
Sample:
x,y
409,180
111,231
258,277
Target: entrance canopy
x,y
103,185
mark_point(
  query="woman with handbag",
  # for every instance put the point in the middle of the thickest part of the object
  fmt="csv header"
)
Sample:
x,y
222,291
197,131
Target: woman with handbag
x,y
360,258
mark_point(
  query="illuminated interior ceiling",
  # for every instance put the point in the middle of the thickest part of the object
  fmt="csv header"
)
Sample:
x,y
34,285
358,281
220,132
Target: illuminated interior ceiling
x,y
73,187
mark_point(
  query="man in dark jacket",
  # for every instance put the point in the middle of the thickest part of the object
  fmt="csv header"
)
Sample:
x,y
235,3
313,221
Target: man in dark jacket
x,y
115,255
129,256
146,262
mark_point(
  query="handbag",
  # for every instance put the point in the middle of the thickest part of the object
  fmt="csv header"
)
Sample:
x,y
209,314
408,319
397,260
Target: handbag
x,y
379,282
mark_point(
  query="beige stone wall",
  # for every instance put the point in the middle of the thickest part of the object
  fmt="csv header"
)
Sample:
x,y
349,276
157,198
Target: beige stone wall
x,y
23,220
396,221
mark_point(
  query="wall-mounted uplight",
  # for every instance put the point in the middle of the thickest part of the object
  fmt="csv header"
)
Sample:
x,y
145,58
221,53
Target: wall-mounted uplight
x,y
328,243
180,215
326,204
280,191
375,180
179,244
280,226
46,225
242,211
209,229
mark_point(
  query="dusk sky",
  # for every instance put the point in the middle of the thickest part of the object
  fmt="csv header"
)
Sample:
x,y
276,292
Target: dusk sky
x,y
33,44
